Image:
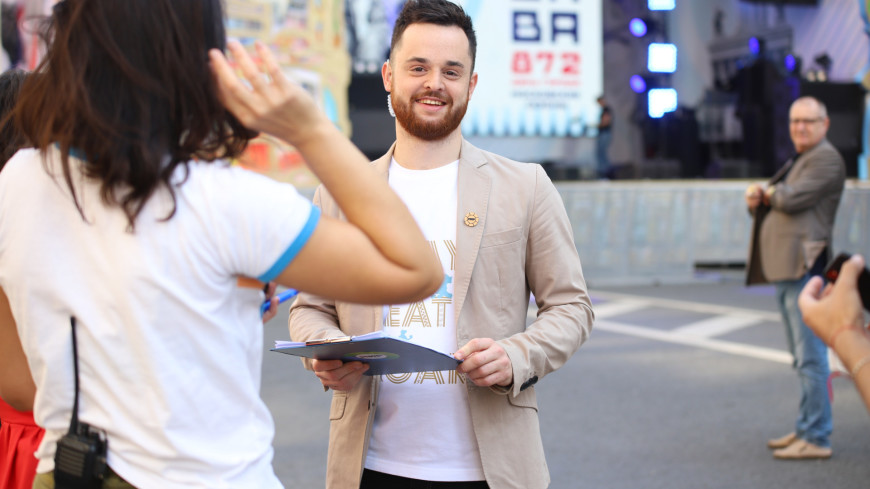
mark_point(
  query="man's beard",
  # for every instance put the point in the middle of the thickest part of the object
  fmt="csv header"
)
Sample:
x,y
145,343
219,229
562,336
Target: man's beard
x,y
425,130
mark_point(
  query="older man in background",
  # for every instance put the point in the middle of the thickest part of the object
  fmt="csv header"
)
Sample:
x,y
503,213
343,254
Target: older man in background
x,y
791,242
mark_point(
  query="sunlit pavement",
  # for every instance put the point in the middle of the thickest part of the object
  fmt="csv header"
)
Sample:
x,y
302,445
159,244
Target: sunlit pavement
x,y
679,387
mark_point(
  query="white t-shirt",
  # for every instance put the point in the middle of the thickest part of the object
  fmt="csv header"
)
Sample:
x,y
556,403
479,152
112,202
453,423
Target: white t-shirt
x,y
422,427
170,347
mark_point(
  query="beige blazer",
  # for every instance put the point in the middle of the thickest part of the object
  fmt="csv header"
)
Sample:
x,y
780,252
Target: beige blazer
x,y
522,243
788,237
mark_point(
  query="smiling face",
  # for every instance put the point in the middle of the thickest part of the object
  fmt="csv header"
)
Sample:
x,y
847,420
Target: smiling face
x,y
808,123
430,80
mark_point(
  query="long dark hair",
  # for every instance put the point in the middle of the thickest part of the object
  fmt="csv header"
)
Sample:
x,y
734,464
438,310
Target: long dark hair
x,y
126,85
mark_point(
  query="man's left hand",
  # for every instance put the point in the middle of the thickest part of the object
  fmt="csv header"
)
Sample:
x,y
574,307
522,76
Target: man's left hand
x,y
768,193
485,363
753,196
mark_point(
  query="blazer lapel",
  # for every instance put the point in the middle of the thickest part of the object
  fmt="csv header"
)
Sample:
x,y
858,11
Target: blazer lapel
x,y
796,164
474,187
382,164
782,171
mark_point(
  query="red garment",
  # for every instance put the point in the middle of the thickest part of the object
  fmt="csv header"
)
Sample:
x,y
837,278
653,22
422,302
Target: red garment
x,y
19,438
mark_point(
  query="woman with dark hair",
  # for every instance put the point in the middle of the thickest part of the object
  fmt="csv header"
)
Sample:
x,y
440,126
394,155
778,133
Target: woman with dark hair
x,y
123,236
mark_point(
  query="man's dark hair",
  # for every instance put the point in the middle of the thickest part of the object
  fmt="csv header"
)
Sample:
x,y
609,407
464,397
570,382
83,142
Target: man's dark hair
x,y
127,85
11,139
438,12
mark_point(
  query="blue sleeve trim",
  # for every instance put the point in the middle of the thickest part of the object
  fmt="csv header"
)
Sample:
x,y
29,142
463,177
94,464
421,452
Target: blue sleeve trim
x,y
294,248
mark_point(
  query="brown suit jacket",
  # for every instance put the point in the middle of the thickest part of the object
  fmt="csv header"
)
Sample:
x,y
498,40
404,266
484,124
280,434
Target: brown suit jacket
x,y
788,236
522,243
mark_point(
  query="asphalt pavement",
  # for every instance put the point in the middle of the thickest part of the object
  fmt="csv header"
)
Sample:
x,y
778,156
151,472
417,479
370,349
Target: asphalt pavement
x,y
678,387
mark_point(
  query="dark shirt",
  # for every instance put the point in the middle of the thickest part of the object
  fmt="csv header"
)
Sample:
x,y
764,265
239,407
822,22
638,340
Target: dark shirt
x,y
605,126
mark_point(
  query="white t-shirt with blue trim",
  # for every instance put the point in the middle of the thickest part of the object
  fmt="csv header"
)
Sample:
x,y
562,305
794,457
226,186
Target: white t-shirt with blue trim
x,y
170,347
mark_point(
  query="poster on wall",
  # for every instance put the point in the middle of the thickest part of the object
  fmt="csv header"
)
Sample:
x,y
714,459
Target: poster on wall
x,y
309,40
539,65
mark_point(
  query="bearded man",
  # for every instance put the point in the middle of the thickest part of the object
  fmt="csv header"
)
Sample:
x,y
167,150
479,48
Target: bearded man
x,y
501,231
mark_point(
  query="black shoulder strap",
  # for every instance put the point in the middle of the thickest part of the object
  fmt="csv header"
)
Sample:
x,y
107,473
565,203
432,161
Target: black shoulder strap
x,y
74,423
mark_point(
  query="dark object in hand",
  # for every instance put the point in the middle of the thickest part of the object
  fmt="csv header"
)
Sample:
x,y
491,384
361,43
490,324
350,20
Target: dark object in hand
x,y
833,271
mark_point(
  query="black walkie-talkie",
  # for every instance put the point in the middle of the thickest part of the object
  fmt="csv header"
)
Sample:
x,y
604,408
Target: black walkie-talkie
x,y
80,458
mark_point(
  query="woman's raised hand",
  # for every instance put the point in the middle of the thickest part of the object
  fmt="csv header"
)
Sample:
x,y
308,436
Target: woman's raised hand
x,y
268,102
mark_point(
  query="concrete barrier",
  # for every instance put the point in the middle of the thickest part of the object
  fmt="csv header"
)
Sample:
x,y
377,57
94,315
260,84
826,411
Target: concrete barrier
x,y
658,231
638,232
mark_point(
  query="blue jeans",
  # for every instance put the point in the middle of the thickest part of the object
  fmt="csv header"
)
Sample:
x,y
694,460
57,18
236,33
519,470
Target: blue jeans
x,y
601,145
815,422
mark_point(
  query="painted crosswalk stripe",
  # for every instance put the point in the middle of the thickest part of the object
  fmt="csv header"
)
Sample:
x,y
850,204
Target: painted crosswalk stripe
x,y
615,308
685,305
741,349
718,325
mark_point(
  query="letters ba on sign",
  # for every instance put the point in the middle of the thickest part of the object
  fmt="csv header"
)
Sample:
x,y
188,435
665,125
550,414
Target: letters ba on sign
x,y
539,64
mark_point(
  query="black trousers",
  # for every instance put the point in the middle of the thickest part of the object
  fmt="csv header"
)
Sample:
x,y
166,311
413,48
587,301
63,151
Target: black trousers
x,y
379,480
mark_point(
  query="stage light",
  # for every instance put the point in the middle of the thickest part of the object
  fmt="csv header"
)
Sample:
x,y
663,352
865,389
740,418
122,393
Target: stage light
x,y
637,83
661,4
660,101
662,58
637,27
790,63
754,46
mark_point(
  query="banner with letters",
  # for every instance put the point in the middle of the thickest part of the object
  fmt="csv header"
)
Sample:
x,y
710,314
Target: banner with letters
x,y
539,64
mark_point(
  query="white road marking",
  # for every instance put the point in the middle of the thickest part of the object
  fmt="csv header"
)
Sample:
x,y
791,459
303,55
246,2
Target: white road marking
x,y
698,334
615,308
688,306
718,325
751,351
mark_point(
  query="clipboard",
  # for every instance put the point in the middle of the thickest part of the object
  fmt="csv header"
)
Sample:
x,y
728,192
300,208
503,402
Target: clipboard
x,y
384,354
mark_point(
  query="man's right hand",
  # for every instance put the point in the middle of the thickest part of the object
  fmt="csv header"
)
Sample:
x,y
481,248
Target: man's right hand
x,y
753,196
338,375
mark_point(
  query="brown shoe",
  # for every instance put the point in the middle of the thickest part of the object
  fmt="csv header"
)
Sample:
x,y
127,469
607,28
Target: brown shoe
x,y
782,442
802,449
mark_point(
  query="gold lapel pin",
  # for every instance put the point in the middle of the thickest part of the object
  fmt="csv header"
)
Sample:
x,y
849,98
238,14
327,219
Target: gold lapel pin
x,y
471,219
